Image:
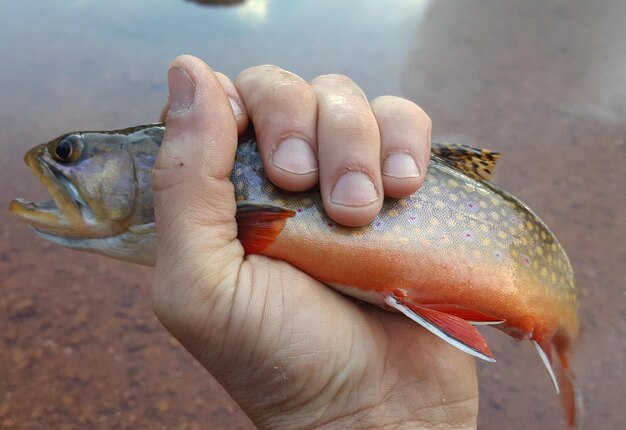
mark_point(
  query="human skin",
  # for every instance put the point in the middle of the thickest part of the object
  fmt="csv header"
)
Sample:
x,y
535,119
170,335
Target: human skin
x,y
292,352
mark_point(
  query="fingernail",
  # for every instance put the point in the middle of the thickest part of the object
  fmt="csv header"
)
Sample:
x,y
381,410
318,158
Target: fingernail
x,y
235,107
182,89
294,155
400,165
353,189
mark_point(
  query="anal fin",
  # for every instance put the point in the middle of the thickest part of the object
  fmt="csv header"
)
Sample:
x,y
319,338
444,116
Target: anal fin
x,y
546,359
452,329
258,225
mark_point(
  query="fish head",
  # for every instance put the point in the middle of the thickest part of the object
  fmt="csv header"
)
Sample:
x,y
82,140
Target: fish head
x,y
100,184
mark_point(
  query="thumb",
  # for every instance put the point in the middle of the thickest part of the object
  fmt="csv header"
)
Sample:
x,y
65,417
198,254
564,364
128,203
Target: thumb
x,y
198,252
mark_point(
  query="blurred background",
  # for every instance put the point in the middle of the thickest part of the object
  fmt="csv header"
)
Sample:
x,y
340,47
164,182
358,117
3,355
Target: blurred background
x,y
543,81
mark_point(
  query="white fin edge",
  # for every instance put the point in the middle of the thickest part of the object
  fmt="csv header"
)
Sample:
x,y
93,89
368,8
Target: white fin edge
x,y
486,322
546,363
396,304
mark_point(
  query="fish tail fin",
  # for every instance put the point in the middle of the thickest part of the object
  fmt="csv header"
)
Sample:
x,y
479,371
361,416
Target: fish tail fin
x,y
563,380
571,397
259,224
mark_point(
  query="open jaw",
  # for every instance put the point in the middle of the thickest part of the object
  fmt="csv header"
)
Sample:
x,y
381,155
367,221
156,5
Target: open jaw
x,y
66,215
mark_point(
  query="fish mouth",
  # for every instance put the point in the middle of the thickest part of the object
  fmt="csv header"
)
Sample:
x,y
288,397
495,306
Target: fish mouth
x,y
67,214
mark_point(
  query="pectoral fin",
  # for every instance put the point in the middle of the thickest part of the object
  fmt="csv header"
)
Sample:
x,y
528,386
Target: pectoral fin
x,y
454,330
258,225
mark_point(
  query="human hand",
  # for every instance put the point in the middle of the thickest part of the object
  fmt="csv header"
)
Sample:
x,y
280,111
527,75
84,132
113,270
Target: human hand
x,y
290,351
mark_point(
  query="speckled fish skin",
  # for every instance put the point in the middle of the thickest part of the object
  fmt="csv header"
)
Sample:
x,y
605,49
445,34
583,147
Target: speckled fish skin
x,y
457,240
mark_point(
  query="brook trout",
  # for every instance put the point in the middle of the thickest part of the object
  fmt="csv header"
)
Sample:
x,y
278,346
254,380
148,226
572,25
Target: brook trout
x,y
457,253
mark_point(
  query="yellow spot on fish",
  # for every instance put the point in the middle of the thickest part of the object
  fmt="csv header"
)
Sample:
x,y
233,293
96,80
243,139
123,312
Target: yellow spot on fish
x,y
398,228
476,253
453,183
529,225
553,277
501,234
495,201
439,204
486,241
543,235
450,222
494,216
483,205
544,272
393,213
403,240
484,228
453,197
434,221
539,250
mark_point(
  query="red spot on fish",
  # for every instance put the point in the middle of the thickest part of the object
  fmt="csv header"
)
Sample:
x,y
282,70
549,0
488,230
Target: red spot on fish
x,y
469,236
473,206
330,225
299,210
526,261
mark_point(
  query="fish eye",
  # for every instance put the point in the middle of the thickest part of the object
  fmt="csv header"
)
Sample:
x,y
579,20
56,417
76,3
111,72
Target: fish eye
x,y
67,149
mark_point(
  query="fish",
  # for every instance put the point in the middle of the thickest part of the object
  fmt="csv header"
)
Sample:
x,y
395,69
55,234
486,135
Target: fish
x,y
458,253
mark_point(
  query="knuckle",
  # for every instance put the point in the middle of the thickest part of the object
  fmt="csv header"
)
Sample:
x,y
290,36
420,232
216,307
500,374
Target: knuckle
x,y
333,78
338,88
400,110
257,70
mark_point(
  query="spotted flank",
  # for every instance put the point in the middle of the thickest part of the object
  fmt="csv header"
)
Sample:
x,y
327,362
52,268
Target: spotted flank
x,y
475,162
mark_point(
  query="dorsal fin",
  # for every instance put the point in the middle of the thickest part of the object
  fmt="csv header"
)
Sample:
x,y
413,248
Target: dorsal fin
x,y
474,162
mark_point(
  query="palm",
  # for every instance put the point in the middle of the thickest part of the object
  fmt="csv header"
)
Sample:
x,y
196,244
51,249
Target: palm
x,y
308,350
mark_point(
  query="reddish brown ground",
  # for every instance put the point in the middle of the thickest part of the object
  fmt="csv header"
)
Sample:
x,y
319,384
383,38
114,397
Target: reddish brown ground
x,y
542,81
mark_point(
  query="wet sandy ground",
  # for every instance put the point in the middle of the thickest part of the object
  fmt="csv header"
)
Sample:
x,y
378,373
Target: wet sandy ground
x,y
542,81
